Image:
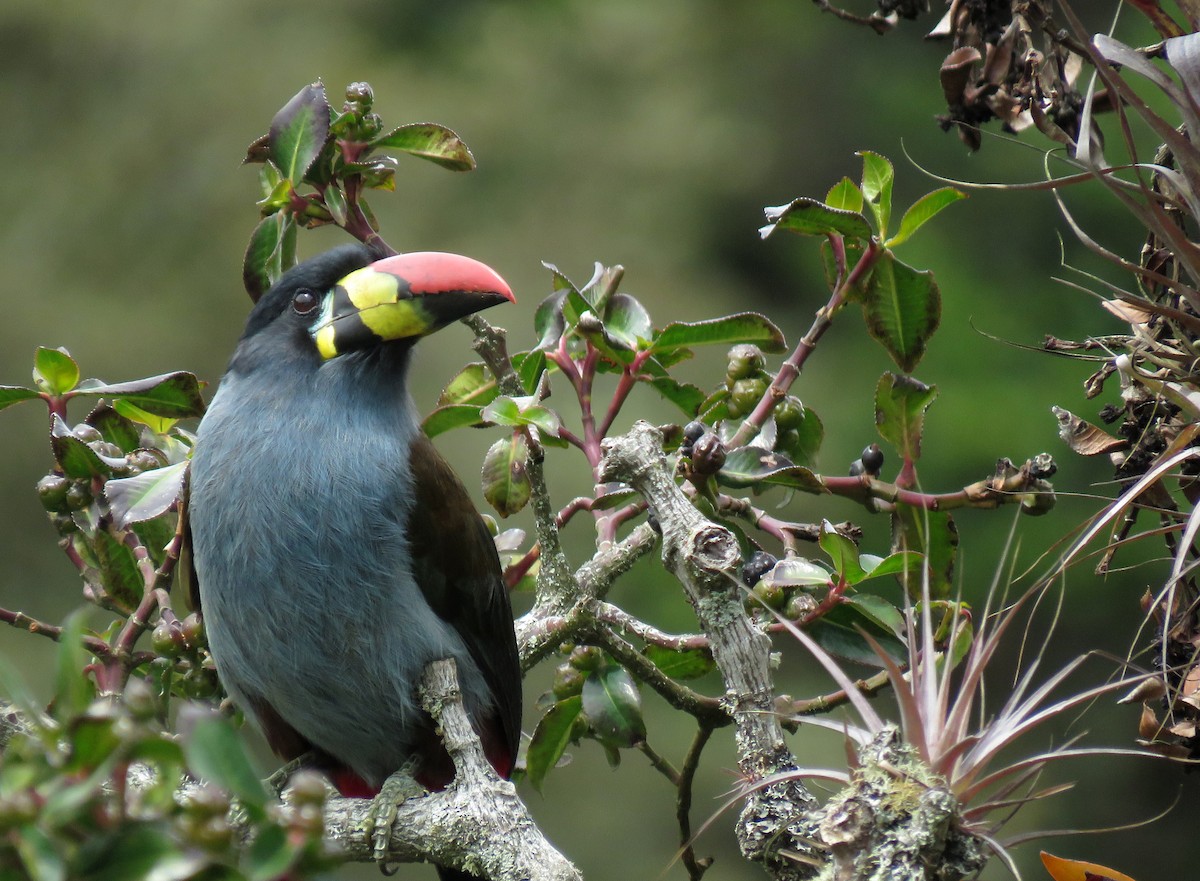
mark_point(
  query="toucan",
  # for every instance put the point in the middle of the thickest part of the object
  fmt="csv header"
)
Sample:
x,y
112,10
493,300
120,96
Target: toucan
x,y
336,553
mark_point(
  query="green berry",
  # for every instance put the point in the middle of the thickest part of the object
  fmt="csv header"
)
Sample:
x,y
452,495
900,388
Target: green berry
x,y
586,658
87,433
789,413
745,394
568,682
771,594
52,490
745,360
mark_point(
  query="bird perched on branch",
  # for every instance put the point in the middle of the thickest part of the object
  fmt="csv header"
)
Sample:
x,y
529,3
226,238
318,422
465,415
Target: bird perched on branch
x,y
335,551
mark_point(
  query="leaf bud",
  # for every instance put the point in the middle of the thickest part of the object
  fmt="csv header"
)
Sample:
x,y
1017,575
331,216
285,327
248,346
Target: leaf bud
x,y
79,495
798,606
139,698
18,809
207,801
361,95
1035,504
708,455
307,788
745,360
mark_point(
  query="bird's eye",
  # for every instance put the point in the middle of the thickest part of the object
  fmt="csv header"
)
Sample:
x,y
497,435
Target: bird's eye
x,y
304,301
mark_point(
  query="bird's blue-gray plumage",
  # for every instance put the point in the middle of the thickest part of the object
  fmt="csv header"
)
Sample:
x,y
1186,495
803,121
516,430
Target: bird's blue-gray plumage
x,y
333,553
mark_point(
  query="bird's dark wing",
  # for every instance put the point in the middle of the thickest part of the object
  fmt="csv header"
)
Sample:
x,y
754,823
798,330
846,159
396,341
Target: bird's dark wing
x,y
458,570
187,584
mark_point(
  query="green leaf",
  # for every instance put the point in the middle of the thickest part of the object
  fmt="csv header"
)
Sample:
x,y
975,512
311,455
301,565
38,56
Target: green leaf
x,y
335,201
529,367
215,753
934,534
682,663
854,252
73,690
613,495
174,395
744,327
877,188
548,321
137,852
38,854
158,424
683,395
906,565
74,457
428,140
298,132
269,855
878,611
923,210
613,707
54,371
808,217
145,496
474,384
505,480
155,535
378,173
627,323
754,466
450,417
15,394
902,308
550,739
261,263
837,631
845,196
900,405
802,443
119,569
842,552
798,572
114,427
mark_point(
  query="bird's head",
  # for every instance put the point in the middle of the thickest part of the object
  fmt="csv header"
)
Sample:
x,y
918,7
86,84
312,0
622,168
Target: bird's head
x,y
345,301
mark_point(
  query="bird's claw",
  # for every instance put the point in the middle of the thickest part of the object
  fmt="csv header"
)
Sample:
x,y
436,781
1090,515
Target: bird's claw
x,y
396,790
279,780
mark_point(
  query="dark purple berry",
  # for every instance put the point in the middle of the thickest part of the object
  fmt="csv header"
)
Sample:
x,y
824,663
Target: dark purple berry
x,y
872,459
759,564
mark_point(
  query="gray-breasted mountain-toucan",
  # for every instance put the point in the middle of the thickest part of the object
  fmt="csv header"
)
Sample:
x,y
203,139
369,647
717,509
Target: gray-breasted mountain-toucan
x,y
335,552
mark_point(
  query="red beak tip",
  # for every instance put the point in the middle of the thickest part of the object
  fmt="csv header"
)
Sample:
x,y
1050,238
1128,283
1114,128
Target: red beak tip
x,y
433,272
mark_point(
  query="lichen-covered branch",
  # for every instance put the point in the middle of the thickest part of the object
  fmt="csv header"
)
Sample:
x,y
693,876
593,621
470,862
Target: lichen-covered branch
x,y
704,556
477,824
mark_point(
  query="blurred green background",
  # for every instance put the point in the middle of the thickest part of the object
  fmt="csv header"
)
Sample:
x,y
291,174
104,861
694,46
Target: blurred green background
x,y
649,135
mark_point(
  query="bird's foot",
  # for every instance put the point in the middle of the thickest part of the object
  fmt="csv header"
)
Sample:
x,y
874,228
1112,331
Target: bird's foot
x,y
279,780
396,790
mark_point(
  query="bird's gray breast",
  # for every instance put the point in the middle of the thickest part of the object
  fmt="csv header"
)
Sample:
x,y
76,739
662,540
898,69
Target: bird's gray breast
x,y
299,502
